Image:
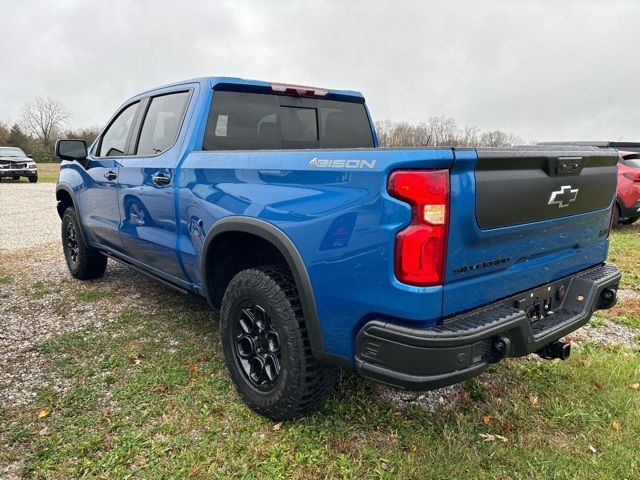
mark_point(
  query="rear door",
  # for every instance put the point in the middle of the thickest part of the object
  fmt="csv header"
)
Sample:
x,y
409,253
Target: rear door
x,y
523,217
147,183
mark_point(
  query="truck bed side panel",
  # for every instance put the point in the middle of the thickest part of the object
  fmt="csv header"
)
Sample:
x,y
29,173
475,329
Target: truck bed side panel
x,y
340,219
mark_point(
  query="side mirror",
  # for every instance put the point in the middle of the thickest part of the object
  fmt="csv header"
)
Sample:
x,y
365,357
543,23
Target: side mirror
x,y
29,155
73,150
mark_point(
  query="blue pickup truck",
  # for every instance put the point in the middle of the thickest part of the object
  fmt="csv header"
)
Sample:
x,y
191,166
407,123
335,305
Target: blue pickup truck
x,y
416,267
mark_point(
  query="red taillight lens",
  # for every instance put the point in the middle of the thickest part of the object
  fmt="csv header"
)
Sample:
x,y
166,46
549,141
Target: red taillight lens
x,y
420,250
633,176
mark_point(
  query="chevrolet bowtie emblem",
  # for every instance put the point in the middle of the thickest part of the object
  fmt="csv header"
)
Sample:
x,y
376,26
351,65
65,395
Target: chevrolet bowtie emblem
x,y
563,197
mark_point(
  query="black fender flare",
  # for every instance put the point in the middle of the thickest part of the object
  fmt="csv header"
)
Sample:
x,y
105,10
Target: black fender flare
x,y
66,188
286,247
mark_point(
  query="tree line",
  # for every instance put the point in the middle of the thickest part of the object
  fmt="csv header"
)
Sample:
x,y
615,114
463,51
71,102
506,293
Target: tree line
x,y
43,120
441,131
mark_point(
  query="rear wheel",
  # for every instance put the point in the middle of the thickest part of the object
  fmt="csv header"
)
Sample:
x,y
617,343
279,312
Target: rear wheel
x,y
84,262
266,346
629,221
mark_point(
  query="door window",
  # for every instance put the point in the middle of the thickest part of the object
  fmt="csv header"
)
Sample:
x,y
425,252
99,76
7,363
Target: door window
x,y
162,123
114,140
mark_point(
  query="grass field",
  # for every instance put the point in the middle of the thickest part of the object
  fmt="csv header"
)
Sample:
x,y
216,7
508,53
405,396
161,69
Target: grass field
x,y
47,172
149,397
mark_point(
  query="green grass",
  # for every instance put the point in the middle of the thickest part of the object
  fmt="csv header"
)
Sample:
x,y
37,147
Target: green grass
x,y
91,295
151,398
47,172
624,251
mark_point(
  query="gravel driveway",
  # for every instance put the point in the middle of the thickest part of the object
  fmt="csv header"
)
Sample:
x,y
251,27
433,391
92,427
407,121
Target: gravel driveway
x,y
28,215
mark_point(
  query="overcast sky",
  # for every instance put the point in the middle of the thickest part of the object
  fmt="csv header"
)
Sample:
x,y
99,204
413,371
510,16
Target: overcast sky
x,y
543,70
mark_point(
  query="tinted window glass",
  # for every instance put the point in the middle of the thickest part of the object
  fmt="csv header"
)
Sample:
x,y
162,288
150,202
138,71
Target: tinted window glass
x,y
162,123
343,125
115,138
254,121
298,123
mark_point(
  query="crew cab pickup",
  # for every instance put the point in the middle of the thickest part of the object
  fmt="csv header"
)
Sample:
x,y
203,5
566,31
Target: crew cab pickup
x,y
417,267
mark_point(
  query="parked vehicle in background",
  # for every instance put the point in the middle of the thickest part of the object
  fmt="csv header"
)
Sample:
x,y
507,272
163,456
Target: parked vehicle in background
x,y
627,209
14,163
416,267
627,205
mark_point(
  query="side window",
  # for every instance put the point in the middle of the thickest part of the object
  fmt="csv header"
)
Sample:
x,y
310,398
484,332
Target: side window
x,y
162,123
115,138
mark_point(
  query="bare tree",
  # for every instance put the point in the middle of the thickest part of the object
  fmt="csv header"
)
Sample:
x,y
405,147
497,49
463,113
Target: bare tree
x,y
440,131
44,118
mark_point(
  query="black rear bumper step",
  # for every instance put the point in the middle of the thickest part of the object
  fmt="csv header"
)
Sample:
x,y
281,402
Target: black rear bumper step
x,y
464,345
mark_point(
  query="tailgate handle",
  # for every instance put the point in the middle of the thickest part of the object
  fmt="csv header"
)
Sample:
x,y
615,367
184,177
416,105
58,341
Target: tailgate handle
x,y
566,166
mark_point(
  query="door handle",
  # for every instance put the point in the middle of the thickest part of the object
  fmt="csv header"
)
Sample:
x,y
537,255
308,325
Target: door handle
x,y
160,178
110,175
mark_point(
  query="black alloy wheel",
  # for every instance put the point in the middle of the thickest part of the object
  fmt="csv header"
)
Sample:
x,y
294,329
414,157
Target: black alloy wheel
x,y
257,347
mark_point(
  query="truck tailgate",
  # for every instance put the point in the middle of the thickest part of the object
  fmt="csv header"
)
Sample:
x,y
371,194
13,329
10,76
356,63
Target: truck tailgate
x,y
523,217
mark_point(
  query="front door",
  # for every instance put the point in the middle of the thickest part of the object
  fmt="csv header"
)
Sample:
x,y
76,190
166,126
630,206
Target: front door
x,y
100,197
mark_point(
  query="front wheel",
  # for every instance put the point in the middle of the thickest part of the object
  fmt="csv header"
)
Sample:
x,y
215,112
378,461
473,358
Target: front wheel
x,y
33,178
83,261
266,346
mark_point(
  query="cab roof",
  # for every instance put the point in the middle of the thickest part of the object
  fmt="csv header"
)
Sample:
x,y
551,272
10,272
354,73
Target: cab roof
x,y
212,82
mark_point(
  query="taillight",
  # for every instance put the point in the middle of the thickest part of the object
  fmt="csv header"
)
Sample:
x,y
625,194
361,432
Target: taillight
x,y
420,250
633,176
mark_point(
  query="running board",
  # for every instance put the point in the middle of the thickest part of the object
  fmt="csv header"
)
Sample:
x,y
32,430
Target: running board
x,y
148,274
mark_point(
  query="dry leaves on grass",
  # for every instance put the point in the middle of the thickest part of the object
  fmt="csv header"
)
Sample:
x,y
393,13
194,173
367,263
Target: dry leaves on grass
x,y
277,427
634,386
43,413
615,425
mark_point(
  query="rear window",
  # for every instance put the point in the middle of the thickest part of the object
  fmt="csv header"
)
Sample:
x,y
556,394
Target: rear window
x,y
256,121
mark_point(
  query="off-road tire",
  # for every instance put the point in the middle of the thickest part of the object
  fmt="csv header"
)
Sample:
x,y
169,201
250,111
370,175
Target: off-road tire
x,y
89,263
33,178
303,383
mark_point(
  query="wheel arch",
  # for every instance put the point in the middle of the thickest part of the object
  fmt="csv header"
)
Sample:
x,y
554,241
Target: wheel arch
x,y
65,198
286,248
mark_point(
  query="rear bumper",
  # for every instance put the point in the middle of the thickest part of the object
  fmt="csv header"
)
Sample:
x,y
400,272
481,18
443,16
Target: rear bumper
x,y
463,346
